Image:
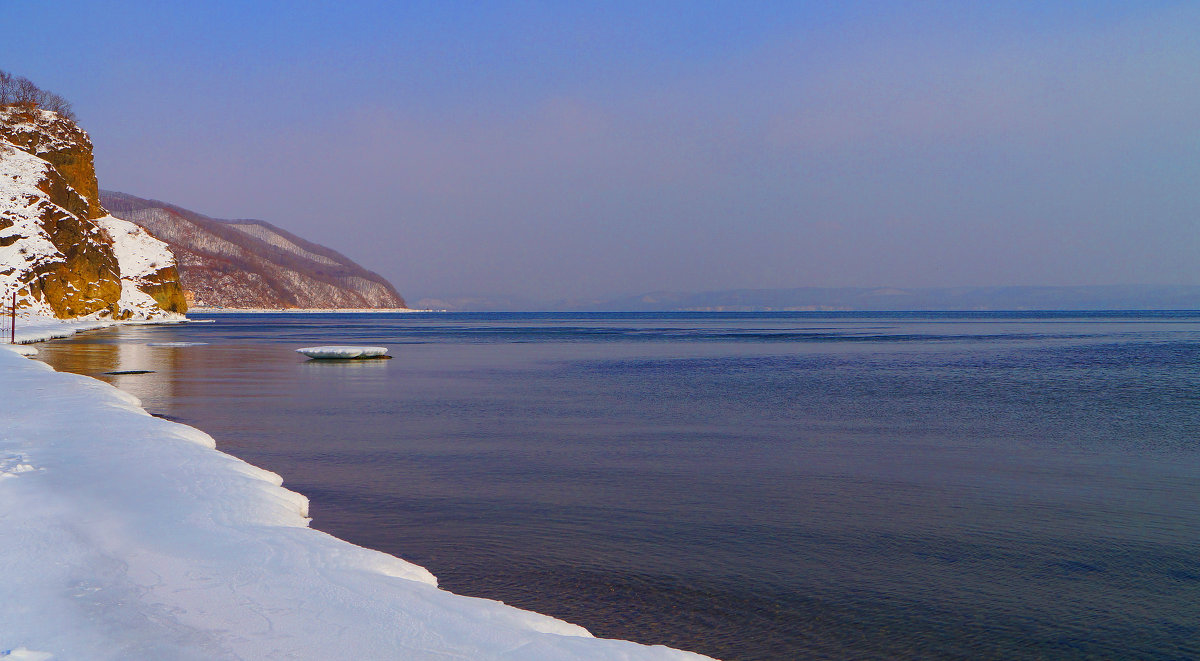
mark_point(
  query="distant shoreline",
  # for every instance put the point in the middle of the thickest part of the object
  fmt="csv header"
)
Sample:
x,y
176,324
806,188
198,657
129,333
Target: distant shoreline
x,y
200,310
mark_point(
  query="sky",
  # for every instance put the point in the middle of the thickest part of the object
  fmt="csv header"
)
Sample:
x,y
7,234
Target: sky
x,y
555,150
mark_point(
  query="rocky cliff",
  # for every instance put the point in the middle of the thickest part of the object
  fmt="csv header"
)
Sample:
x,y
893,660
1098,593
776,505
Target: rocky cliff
x,y
253,264
59,250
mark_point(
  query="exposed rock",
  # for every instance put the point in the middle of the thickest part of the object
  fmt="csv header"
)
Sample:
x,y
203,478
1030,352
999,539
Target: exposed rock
x,y
148,272
55,249
61,143
253,264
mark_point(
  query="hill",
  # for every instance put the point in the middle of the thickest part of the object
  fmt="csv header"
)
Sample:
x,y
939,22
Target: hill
x,y
244,264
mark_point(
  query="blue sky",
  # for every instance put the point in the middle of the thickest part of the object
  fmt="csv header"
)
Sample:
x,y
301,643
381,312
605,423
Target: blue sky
x,y
555,149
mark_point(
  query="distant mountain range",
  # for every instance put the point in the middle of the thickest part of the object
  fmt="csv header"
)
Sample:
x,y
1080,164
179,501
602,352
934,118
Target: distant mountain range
x,y
252,263
1123,297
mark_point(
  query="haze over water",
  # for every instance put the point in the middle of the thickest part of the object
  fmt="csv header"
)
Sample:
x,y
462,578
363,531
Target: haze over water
x,y
749,486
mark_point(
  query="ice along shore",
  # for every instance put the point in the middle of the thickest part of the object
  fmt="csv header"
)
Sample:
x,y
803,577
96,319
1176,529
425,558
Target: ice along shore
x,y
127,536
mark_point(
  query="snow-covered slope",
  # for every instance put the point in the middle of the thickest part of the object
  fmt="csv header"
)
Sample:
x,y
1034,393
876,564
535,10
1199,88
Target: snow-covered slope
x,y
59,252
251,264
143,260
124,536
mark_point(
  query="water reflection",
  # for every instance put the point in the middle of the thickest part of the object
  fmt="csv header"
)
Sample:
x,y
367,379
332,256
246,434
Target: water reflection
x,y
123,358
178,378
104,359
335,366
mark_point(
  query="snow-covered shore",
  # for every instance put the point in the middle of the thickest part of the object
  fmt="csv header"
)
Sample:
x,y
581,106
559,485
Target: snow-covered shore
x,y
39,328
125,536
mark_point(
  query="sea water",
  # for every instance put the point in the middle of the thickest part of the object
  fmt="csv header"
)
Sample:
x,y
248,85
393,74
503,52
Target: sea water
x,y
749,486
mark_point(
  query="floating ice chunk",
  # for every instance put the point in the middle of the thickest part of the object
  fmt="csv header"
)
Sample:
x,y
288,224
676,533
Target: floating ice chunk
x,y
343,352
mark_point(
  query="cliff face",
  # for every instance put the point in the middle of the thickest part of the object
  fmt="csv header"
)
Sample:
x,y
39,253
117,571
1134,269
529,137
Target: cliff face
x,y
62,144
57,245
253,264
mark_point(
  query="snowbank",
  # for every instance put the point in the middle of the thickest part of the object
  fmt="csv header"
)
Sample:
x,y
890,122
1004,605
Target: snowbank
x,y
20,349
40,328
124,536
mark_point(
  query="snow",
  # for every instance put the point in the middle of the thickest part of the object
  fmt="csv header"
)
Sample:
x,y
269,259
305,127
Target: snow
x,y
20,349
48,130
22,654
343,352
264,233
139,257
22,203
125,536
139,253
37,328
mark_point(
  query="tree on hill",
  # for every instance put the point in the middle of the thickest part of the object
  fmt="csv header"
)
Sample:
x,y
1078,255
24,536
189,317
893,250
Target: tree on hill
x,y
20,91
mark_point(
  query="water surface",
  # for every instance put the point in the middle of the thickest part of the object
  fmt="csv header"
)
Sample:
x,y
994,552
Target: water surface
x,y
749,486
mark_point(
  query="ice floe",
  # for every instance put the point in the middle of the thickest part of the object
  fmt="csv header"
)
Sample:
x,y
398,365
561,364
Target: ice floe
x,y
334,352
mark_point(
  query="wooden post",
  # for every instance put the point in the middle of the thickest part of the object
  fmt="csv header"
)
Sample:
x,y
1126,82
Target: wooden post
x,y
12,329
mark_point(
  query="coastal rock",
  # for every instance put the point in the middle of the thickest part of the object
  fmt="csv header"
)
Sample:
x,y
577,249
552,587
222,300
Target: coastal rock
x,y
243,264
61,143
148,272
56,249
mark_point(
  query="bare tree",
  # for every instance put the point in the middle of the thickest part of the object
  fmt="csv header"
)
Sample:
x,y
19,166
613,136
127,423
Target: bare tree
x,y
56,104
6,88
27,92
20,91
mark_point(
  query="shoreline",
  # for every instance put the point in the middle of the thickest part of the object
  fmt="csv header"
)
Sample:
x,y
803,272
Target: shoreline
x,y
165,547
199,310
42,329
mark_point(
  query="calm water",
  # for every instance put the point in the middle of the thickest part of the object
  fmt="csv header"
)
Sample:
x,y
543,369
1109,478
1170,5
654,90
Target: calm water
x,y
774,486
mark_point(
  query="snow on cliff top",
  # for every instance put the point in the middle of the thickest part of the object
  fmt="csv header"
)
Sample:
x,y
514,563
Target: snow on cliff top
x,y
51,131
124,536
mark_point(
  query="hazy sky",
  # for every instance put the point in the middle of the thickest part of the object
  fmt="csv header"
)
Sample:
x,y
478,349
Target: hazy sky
x,y
560,149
